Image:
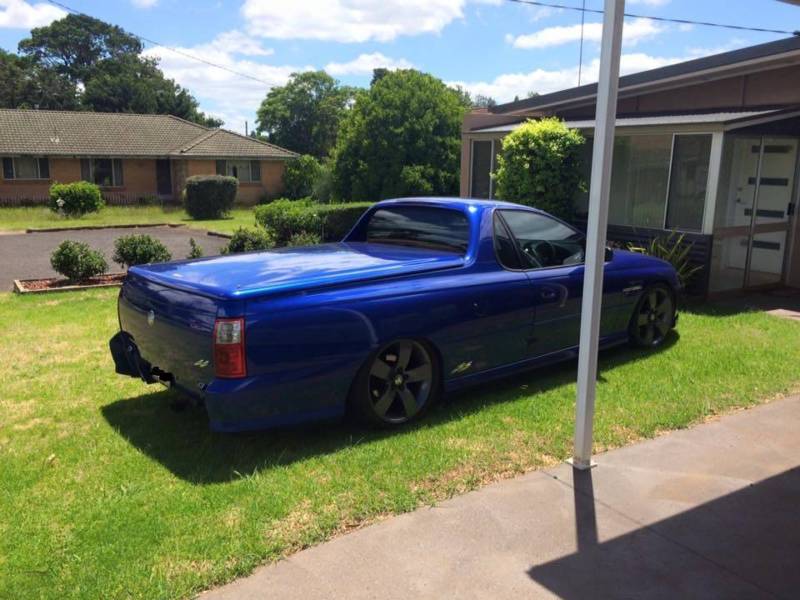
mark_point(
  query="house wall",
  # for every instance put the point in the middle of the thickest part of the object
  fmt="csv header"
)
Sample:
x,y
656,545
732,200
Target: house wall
x,y
139,178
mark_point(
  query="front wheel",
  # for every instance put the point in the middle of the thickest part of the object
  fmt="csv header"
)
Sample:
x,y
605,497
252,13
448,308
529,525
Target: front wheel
x,y
653,318
397,384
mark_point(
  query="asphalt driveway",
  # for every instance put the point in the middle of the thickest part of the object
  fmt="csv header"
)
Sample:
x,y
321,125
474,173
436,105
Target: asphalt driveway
x,y
27,255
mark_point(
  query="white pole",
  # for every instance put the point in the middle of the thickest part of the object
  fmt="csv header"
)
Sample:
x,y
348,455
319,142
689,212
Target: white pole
x,y
599,188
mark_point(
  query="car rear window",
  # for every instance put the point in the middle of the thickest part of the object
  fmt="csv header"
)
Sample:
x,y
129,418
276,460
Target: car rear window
x,y
420,226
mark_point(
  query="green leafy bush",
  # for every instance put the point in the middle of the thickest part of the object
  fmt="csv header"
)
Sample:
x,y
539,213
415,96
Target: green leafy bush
x,y
330,222
674,249
135,249
540,166
305,238
284,218
195,250
77,261
75,199
249,240
323,186
209,196
300,176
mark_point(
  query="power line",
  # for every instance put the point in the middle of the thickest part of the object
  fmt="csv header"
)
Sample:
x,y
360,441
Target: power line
x,y
662,19
171,49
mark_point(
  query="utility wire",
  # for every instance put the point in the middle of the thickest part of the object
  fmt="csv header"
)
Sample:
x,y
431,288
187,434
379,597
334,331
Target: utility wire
x,y
171,49
662,19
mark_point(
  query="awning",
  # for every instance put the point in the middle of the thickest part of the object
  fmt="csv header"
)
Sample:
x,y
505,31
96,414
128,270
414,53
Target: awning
x,y
737,118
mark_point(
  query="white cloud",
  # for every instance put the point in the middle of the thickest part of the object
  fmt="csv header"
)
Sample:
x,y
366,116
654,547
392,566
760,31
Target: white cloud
x,y
633,31
650,2
18,14
221,93
349,20
364,64
504,88
144,3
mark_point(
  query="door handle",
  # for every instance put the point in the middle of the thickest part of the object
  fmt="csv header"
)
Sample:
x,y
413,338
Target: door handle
x,y
549,295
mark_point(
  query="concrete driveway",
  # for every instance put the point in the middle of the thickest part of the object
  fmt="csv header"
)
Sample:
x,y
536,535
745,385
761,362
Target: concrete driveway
x,y
709,512
27,255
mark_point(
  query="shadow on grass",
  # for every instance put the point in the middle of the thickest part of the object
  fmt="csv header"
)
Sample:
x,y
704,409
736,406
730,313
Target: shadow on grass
x,y
183,443
743,302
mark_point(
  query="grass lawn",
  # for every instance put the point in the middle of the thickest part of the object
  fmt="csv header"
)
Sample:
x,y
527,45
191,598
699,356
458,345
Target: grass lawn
x,y
106,492
20,219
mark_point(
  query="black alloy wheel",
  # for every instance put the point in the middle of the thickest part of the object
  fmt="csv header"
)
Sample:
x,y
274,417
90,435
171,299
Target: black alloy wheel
x,y
397,384
653,318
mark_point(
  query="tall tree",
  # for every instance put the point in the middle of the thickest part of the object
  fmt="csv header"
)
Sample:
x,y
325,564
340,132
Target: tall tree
x,y
105,62
402,137
75,45
304,114
25,84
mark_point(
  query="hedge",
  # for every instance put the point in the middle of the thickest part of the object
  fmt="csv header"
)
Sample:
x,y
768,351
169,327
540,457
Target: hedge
x,y
209,196
75,199
288,218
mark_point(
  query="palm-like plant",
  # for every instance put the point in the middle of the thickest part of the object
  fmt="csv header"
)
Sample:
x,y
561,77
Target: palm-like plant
x,y
674,249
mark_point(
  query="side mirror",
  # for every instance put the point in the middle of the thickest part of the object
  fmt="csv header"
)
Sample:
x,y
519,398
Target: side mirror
x,y
609,254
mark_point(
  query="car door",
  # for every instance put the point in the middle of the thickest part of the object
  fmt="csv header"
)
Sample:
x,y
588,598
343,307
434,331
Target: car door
x,y
552,254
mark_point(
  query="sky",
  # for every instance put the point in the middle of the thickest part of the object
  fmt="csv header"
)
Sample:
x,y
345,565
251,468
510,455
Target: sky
x,y
492,47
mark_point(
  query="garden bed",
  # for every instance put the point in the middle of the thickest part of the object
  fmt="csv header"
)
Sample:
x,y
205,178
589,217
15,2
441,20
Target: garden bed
x,y
58,284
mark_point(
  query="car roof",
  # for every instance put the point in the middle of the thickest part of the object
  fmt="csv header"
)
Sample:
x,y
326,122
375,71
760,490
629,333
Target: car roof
x,y
452,202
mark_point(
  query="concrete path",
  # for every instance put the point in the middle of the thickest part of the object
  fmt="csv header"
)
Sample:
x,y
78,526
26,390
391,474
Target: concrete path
x,y
710,512
27,255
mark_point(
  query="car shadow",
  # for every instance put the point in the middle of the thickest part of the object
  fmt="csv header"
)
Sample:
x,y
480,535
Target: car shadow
x,y
183,443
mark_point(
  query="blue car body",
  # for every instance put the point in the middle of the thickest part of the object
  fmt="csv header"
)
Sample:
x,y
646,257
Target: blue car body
x,y
313,316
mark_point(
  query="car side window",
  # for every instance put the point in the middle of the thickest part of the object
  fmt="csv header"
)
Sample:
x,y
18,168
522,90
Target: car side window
x,y
504,247
544,242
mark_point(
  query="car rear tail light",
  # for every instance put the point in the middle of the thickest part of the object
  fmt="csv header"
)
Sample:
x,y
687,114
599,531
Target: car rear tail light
x,y
229,356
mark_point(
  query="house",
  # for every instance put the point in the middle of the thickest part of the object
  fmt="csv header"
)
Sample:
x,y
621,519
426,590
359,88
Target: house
x,y
132,157
707,147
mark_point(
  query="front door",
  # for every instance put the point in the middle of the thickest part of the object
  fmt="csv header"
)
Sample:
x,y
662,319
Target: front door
x,y
163,178
753,243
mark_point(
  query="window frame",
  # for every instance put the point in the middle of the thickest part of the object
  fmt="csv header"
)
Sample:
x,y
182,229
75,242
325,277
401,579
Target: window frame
x,y
499,212
38,160
114,171
492,164
669,182
225,163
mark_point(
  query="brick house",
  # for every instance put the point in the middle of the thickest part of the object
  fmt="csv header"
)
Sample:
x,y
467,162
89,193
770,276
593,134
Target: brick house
x,y
707,147
131,157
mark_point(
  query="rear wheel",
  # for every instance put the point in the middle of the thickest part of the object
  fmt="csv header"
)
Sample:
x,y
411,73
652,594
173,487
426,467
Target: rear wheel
x,y
653,318
397,384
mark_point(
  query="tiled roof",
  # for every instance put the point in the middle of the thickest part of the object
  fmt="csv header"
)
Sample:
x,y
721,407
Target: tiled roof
x,y
78,133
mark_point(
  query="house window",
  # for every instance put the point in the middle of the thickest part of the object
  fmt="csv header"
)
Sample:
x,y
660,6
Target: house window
x,y
687,182
247,171
26,167
481,169
105,172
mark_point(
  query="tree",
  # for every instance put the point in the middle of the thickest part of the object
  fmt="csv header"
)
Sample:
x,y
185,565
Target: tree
x,y
540,166
481,101
304,114
80,52
24,84
401,137
74,45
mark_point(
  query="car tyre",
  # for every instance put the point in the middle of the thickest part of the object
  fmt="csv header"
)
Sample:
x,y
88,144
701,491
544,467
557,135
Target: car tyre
x,y
653,318
397,384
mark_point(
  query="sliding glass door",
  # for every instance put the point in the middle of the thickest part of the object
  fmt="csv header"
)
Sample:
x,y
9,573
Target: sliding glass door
x,y
754,212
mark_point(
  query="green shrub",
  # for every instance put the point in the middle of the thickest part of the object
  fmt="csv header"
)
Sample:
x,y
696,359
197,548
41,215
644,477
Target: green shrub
x,y
338,219
135,249
323,186
195,250
675,250
284,218
249,240
75,199
540,166
305,238
76,261
330,222
209,196
300,176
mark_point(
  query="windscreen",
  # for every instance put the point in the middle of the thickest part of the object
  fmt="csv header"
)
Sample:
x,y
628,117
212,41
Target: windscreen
x,y
420,226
